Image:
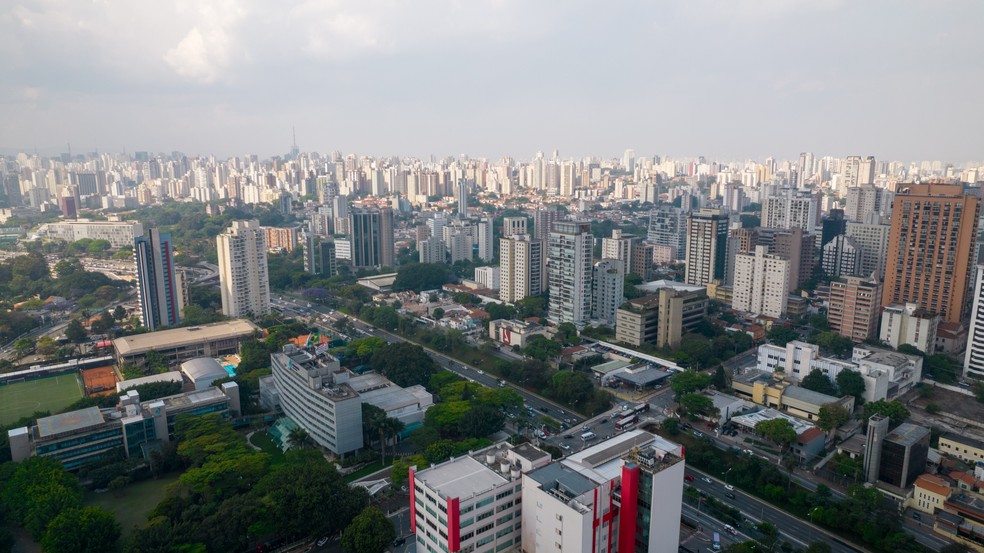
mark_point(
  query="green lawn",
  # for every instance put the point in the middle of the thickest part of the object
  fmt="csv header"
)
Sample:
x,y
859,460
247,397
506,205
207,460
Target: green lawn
x,y
132,503
54,393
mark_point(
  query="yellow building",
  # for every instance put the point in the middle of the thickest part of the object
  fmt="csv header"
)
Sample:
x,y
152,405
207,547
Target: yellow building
x,y
764,389
965,449
929,494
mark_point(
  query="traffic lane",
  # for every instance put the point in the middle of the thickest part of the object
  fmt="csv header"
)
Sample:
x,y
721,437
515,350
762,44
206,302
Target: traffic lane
x,y
709,525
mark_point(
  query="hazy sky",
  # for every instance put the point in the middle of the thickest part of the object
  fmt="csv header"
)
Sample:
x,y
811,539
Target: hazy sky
x,y
728,79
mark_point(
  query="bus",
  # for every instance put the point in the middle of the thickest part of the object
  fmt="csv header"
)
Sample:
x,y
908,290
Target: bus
x,y
626,422
639,409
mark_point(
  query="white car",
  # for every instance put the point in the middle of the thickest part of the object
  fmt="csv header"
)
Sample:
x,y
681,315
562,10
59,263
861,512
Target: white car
x,y
706,479
566,447
729,487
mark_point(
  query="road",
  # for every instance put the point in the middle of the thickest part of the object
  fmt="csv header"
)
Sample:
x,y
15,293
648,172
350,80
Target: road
x,y
538,403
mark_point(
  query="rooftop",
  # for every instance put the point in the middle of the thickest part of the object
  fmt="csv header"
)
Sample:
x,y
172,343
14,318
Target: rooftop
x,y
808,396
202,368
463,478
963,440
643,376
176,337
190,399
656,285
907,434
610,366
751,376
69,422
751,419
170,376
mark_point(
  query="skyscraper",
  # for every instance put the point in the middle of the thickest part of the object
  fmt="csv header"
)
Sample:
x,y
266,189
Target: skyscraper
x,y
157,286
543,218
462,193
569,250
372,237
866,198
522,263
619,247
930,248
974,356
243,277
484,239
668,229
511,226
791,209
607,288
871,236
707,246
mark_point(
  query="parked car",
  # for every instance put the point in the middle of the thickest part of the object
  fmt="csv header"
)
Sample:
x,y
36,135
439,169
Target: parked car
x,y
399,541
565,447
323,541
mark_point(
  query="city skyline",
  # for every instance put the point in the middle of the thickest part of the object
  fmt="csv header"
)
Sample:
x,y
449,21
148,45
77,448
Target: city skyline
x,y
741,80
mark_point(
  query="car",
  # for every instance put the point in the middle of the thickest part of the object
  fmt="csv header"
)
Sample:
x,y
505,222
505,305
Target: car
x,y
729,487
688,478
916,516
565,446
399,541
323,541
729,495
706,479
568,437
748,451
730,529
604,421
698,434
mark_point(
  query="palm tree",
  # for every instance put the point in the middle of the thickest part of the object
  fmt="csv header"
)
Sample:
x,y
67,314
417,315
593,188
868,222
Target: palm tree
x,y
391,428
299,438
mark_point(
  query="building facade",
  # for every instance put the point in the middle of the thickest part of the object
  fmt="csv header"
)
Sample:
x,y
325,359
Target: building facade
x,y
607,288
372,237
907,324
761,283
707,246
569,272
931,244
853,308
522,267
661,318
243,276
157,287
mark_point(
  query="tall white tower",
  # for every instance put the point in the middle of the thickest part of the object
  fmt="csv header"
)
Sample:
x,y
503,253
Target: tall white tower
x,y
243,277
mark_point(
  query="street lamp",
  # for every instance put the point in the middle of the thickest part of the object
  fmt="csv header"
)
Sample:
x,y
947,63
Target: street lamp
x,y
726,475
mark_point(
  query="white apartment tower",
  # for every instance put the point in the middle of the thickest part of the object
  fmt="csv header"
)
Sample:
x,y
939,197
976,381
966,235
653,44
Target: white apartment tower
x,y
522,267
607,287
761,283
791,209
974,357
569,250
618,247
243,277
485,243
512,226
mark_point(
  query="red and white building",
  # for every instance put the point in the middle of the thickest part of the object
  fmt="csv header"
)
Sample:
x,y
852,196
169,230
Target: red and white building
x,y
597,501
472,503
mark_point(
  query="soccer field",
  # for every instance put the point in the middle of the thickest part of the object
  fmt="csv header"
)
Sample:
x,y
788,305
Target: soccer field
x,y
21,399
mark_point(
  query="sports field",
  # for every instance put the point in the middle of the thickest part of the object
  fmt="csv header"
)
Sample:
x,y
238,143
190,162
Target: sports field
x,y
21,399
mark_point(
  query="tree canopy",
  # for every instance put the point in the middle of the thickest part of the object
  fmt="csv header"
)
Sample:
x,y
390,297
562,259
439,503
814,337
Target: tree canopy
x,y
819,382
894,410
369,532
851,383
687,382
421,276
404,363
777,430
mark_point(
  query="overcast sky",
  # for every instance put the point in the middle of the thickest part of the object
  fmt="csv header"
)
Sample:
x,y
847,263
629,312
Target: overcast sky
x,y
728,79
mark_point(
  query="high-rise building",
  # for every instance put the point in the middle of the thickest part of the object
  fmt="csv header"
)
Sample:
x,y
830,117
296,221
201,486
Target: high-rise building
x,y
484,239
707,246
607,289
543,219
833,225
243,276
761,283
619,247
462,194
512,226
460,246
157,287
854,306
281,238
866,198
569,250
871,236
320,257
641,262
841,257
661,318
799,248
791,209
372,237
974,356
740,240
522,267
930,248
668,228
432,250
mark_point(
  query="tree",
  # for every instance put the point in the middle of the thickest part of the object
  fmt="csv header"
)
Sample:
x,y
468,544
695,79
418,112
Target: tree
x,y
156,361
480,421
721,379
46,346
400,472
85,530
298,438
438,313
698,405
894,410
687,382
672,426
119,313
75,332
781,335
541,349
832,416
403,363
779,431
818,382
369,532
23,346
851,383
421,276
566,334
832,341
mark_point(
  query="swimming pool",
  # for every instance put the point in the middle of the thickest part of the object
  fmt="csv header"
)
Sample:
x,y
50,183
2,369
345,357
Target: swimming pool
x,y
231,369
